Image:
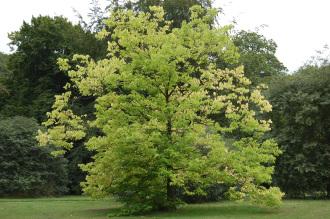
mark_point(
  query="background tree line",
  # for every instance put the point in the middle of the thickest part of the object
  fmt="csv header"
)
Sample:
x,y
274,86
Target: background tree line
x,y
30,77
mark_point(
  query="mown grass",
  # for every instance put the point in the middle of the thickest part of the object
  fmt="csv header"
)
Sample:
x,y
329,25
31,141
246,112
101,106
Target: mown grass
x,y
82,208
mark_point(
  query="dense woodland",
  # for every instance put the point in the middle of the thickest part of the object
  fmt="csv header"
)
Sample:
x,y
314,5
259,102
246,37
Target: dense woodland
x,y
38,69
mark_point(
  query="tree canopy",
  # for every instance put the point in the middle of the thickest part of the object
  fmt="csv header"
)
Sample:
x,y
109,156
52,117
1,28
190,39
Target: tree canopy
x,y
157,92
301,127
35,77
175,11
27,169
257,55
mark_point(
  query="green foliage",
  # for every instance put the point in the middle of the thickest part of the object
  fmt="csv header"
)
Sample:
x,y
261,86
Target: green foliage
x,y
156,94
257,55
175,11
3,72
301,125
26,169
35,77
78,155
3,64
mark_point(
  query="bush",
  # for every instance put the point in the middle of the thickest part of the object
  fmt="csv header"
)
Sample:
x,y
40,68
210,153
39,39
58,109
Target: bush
x,y
26,169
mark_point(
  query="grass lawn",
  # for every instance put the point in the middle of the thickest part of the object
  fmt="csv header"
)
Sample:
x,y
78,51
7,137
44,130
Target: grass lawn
x,y
82,208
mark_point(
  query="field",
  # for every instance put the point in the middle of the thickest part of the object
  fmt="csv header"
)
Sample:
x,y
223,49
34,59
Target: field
x,y
82,208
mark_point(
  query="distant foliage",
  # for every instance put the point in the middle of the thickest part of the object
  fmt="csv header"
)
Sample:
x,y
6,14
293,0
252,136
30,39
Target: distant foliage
x,y
157,92
257,55
27,169
301,125
35,77
3,64
4,71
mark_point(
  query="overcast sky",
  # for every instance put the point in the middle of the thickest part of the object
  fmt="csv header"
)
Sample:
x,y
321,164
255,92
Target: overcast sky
x,y
299,27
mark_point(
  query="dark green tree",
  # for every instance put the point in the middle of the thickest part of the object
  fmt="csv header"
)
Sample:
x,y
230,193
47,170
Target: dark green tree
x,y
27,169
257,54
35,76
301,124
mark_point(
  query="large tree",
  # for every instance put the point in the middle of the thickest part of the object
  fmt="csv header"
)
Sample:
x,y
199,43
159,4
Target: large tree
x,y
301,122
258,55
157,94
35,77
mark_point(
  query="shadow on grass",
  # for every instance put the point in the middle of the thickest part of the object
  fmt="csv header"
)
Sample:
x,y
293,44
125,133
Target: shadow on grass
x,y
101,212
219,210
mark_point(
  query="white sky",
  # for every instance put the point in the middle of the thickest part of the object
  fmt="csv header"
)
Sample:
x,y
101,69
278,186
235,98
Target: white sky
x,y
299,27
